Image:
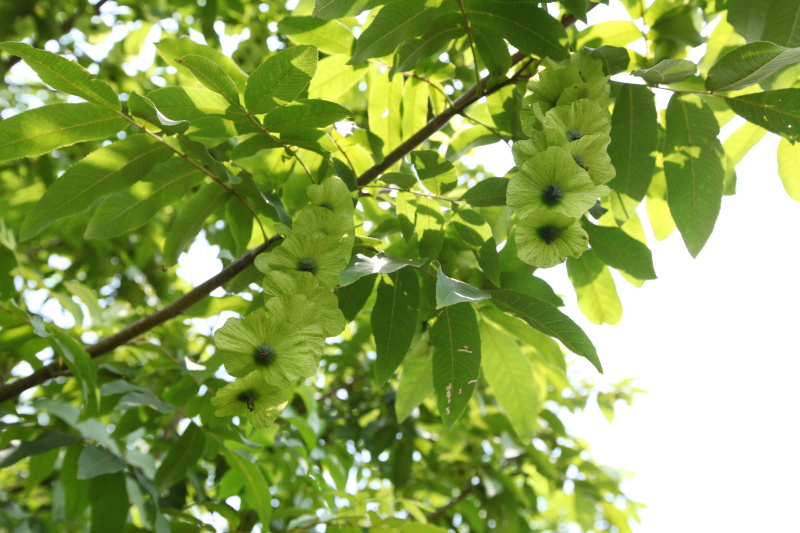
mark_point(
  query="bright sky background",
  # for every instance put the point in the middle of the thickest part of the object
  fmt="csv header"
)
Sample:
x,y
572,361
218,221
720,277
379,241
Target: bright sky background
x,y
715,341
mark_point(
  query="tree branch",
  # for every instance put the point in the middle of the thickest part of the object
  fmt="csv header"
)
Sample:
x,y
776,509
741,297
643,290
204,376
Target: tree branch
x,y
105,345
469,97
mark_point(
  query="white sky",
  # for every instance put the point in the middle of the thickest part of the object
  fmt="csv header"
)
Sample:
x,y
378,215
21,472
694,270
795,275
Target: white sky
x,y
716,343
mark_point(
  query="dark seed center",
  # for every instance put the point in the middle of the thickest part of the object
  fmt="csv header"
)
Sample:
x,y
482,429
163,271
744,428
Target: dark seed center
x,y
264,355
574,134
307,265
249,397
549,233
552,195
579,160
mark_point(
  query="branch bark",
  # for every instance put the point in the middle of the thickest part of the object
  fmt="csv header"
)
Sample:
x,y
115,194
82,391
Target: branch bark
x,y
105,345
470,96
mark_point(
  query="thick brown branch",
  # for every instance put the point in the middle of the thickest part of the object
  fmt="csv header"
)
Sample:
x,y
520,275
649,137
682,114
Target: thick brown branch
x,y
105,345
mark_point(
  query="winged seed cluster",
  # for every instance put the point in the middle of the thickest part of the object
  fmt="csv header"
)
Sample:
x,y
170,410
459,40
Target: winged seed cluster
x,y
564,166
283,340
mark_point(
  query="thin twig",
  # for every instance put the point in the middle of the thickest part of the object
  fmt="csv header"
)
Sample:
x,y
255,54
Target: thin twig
x,y
146,323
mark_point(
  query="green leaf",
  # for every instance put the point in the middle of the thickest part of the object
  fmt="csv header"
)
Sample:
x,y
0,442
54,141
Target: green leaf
x,y
65,75
334,9
394,320
634,141
312,140
777,111
789,167
749,64
304,114
451,291
46,440
258,494
182,456
361,265
125,211
44,129
736,147
415,107
782,25
329,37
396,22
352,297
667,71
416,380
192,104
144,398
174,49
693,168
594,286
544,317
438,34
109,496
508,371
80,364
618,249
491,47
530,29
610,33
384,118
280,79
96,461
142,107
191,218
615,59
211,76
486,193
104,171
456,359
437,174
334,78
404,181
748,17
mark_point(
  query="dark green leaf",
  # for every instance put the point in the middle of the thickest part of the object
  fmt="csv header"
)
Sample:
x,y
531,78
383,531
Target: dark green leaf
x,y
437,34
667,71
634,141
96,461
491,47
530,29
144,398
47,440
191,218
782,25
456,359
489,261
404,181
451,291
621,251
749,64
544,317
43,129
313,140
361,266
615,59
80,364
65,75
777,111
182,456
141,107
304,114
109,497
393,321
102,172
280,79
693,168
352,297
397,21
748,17
211,76
486,193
